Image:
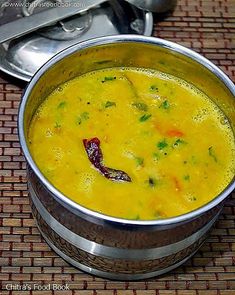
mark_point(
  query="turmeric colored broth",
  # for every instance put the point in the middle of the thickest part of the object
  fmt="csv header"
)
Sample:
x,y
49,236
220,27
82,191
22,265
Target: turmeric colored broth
x,y
170,138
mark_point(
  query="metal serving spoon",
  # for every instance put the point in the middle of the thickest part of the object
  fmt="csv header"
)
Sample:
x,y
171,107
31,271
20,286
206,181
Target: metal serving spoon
x,y
47,17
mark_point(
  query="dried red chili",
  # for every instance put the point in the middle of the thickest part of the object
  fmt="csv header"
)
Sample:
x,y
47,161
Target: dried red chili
x,y
92,147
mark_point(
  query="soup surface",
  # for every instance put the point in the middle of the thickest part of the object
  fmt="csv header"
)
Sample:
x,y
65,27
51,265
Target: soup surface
x,y
133,143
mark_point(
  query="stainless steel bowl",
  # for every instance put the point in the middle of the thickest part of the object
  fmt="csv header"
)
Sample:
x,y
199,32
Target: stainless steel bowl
x,y
103,245
158,6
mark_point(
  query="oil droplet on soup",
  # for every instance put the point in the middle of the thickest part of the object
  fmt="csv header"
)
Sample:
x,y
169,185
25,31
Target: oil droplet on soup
x,y
173,144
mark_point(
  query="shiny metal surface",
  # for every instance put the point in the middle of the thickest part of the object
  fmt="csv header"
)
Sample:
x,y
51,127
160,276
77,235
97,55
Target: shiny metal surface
x,y
112,252
158,6
31,23
110,275
21,58
97,243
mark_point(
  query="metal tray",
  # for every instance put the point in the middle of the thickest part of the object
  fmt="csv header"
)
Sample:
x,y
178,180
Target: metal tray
x,y
22,57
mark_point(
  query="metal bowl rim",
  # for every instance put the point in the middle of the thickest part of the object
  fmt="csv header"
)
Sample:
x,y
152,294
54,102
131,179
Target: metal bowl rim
x,y
75,207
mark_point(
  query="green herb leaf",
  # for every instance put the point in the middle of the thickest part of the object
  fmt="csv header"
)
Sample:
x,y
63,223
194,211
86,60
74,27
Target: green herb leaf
x,y
156,156
61,105
145,117
165,105
139,161
109,104
83,117
212,153
178,142
162,144
106,79
57,125
153,88
140,106
187,177
79,121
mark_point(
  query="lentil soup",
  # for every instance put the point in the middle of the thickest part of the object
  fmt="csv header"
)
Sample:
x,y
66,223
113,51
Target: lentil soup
x,y
133,143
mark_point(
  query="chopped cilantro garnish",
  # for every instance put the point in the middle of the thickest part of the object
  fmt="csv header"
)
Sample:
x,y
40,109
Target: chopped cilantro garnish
x,y
61,105
187,177
178,142
139,161
156,156
153,88
109,104
145,117
79,121
162,144
106,79
165,105
83,117
57,125
140,106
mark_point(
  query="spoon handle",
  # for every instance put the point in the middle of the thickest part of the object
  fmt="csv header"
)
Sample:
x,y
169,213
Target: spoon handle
x,y
47,17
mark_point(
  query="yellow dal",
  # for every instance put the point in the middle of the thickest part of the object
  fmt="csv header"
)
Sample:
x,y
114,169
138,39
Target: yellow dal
x,y
174,143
